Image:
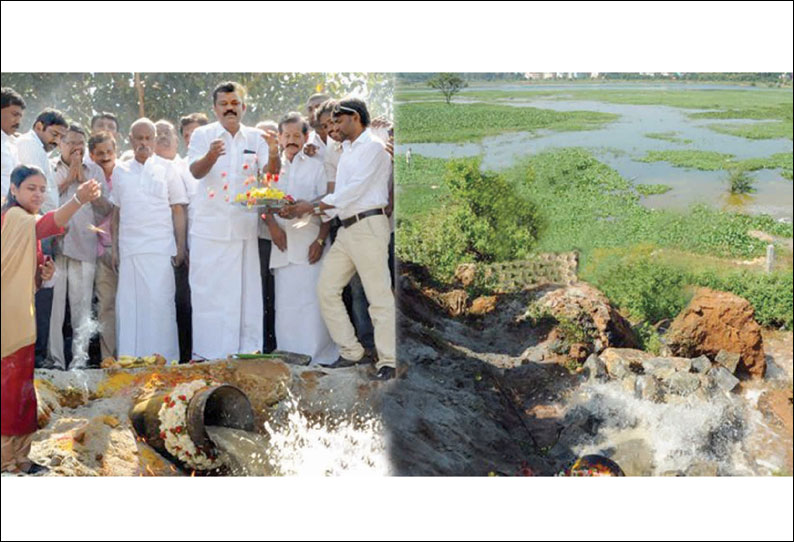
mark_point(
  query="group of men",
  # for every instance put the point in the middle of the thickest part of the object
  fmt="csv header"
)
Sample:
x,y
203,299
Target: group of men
x,y
179,268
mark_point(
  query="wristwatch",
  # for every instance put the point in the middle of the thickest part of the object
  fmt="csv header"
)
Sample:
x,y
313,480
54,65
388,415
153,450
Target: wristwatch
x,y
320,242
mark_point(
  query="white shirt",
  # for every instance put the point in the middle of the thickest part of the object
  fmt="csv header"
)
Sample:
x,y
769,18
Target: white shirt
x,y
144,194
315,139
9,161
305,179
30,151
362,177
214,217
333,153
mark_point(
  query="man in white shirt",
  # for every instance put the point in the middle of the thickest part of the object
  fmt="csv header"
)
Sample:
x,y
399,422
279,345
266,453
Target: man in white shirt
x,y
362,245
75,262
166,147
12,107
150,221
225,284
33,149
299,247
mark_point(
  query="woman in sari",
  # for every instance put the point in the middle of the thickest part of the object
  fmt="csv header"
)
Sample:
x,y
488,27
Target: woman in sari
x,y
24,268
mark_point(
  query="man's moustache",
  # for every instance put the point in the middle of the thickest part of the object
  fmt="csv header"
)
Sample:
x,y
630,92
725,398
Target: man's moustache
x,y
230,113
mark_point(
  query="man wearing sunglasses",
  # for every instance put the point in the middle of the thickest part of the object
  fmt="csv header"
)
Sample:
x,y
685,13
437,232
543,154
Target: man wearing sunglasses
x,y
359,199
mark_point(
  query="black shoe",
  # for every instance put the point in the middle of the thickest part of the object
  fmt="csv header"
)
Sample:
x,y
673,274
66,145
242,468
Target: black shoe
x,y
384,373
344,362
35,469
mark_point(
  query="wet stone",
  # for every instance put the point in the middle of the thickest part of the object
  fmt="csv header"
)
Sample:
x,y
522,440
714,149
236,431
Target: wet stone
x,y
648,389
701,365
595,369
683,384
724,379
729,360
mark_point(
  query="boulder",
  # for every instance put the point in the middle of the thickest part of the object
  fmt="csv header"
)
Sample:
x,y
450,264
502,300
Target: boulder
x,y
701,365
619,361
648,389
715,321
724,379
682,384
483,305
595,369
729,360
586,305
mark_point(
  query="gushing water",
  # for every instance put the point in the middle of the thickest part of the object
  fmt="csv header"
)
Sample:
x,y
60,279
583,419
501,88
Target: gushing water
x,y
297,446
677,434
333,446
82,335
245,453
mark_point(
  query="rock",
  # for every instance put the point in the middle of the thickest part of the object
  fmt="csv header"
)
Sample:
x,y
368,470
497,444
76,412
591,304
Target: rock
x,y
465,274
580,302
715,321
701,365
629,383
648,389
483,305
682,384
702,468
534,354
673,473
661,368
621,360
729,360
634,457
578,352
617,368
724,379
454,301
778,403
595,369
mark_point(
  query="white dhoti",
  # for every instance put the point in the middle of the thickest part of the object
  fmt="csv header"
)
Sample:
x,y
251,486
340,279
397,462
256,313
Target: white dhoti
x,y
226,296
300,326
75,279
145,307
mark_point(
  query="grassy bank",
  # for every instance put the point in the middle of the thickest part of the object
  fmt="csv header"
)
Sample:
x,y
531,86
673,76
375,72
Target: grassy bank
x,y
439,122
584,205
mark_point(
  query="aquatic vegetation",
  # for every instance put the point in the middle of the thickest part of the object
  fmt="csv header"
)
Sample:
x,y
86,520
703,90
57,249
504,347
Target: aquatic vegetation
x,y
668,136
439,122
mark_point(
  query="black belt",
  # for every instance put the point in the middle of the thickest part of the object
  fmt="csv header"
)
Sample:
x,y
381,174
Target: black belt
x,y
347,222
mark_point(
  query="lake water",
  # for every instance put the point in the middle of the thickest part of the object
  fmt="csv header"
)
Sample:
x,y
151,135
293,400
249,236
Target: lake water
x,y
621,143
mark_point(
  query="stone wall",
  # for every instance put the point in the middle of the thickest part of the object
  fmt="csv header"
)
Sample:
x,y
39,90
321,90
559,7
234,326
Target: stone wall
x,y
518,275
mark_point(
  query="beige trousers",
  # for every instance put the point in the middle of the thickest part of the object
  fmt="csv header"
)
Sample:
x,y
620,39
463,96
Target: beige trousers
x,y
15,450
362,248
107,280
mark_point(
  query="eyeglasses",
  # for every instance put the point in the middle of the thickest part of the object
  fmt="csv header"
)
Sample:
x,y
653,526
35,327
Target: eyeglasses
x,y
339,108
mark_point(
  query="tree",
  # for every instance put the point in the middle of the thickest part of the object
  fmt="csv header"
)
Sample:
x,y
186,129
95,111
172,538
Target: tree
x,y
171,95
449,84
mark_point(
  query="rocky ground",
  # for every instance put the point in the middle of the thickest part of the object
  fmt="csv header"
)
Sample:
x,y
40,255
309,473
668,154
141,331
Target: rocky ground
x,y
486,388
515,384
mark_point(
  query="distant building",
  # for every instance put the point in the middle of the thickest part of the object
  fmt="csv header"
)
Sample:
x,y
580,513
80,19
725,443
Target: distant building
x,y
548,75
594,75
